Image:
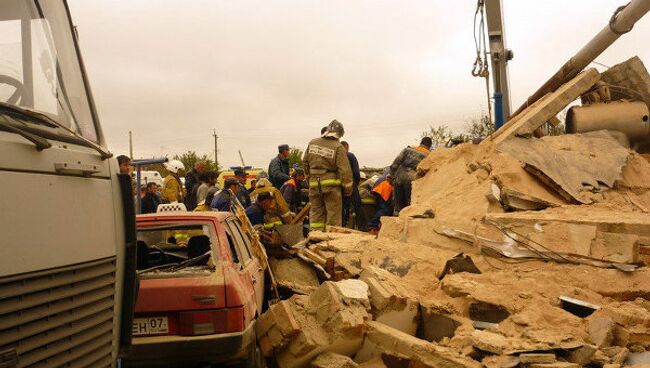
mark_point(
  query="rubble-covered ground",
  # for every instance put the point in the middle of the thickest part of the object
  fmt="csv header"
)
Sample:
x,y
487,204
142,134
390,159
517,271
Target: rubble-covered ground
x,y
515,252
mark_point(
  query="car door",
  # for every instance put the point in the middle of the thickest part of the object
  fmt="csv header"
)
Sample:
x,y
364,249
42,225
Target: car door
x,y
243,262
254,267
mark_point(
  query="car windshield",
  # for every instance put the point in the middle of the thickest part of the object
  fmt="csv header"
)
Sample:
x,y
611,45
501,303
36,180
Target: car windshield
x,y
39,67
173,247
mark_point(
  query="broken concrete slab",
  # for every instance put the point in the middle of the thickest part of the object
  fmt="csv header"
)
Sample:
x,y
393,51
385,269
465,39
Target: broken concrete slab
x,y
490,342
386,340
390,304
628,75
276,327
582,355
575,165
328,321
579,232
530,358
601,331
333,360
526,122
554,365
294,274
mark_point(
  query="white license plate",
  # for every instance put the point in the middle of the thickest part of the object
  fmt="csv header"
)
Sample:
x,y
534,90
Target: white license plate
x,y
150,326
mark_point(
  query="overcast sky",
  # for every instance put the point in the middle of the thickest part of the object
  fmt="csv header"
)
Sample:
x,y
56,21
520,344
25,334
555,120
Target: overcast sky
x,y
266,72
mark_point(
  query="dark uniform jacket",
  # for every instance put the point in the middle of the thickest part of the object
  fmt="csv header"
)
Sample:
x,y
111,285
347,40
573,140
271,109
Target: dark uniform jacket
x,y
405,165
279,171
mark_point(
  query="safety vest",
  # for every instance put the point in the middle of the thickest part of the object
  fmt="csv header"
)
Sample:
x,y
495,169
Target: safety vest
x,y
384,189
422,149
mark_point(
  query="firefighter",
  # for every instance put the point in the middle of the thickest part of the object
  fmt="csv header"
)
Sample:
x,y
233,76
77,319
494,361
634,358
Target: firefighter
x,y
404,169
279,213
328,173
172,187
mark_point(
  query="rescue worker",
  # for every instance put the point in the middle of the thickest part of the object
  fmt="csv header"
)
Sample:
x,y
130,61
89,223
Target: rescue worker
x,y
328,172
383,193
279,167
292,190
223,201
257,212
404,169
172,188
279,213
354,201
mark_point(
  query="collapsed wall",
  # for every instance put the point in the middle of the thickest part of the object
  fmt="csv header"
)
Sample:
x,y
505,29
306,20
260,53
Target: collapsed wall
x,y
519,251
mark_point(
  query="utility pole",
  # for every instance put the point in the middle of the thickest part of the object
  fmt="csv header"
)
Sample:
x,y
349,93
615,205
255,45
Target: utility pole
x,y
130,145
216,147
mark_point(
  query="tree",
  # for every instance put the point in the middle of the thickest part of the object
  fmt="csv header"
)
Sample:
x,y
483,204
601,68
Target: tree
x,y
439,135
479,128
189,158
295,156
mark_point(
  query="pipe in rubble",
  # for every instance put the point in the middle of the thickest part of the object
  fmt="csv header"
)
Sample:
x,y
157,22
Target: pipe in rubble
x,y
629,118
620,23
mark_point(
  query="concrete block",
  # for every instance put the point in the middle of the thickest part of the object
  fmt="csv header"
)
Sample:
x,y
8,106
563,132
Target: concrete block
x,y
530,358
333,360
630,74
615,247
421,353
554,365
582,355
390,307
489,341
601,331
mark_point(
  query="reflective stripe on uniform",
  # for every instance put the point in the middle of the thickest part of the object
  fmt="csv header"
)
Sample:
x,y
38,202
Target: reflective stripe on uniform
x,y
368,201
325,183
317,225
270,225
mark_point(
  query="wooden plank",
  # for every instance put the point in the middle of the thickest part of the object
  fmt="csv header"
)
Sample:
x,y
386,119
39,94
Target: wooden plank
x,y
548,106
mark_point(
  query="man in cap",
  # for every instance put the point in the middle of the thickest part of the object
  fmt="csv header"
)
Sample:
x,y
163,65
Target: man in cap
x,y
279,167
328,173
403,171
223,201
243,194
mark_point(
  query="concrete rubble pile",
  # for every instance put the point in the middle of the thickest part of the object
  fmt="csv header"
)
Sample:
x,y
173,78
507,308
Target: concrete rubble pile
x,y
519,251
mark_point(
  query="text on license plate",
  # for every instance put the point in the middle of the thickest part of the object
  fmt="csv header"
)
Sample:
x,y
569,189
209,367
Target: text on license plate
x,y
150,326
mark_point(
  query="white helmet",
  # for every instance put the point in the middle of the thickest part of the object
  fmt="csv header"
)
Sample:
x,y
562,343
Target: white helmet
x,y
174,166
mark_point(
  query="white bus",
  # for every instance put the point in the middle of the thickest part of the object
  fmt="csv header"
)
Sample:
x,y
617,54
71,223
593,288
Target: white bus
x,y
67,235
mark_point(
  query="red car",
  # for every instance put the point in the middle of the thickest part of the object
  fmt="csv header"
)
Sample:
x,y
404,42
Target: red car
x,y
201,290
